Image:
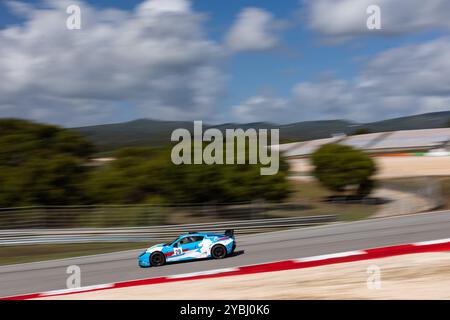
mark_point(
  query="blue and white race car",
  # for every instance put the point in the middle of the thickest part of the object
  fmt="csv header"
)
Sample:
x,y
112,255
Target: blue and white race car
x,y
194,245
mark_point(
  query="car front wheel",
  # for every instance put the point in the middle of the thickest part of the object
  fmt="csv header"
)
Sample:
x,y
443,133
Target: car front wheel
x,y
157,259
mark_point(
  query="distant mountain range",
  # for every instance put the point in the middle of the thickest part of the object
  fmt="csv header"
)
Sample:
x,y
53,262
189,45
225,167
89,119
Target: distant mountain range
x,y
155,132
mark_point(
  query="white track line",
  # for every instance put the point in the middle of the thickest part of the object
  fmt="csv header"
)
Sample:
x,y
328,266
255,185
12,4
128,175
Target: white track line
x,y
330,256
75,290
424,243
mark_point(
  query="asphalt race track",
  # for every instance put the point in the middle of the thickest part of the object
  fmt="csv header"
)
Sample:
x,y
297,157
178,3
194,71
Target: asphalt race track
x,y
252,249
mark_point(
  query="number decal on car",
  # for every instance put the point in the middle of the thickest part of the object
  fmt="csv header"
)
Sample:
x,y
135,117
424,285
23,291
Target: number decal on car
x,y
177,250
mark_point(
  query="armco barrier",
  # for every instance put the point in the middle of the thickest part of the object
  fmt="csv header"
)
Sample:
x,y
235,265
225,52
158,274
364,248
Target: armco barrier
x,y
153,233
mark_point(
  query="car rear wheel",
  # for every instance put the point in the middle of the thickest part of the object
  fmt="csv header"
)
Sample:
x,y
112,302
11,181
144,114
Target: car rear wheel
x,y
218,251
157,259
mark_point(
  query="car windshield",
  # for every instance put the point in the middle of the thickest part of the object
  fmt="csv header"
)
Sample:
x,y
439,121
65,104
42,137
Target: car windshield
x,y
172,242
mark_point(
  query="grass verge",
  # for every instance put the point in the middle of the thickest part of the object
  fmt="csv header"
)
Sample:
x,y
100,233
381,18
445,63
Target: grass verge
x,y
312,194
41,252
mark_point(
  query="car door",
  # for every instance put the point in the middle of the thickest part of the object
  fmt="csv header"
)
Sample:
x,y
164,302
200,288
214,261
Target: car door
x,y
195,242
188,247
188,244
180,248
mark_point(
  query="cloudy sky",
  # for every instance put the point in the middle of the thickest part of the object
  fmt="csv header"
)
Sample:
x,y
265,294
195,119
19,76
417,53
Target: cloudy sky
x,y
221,61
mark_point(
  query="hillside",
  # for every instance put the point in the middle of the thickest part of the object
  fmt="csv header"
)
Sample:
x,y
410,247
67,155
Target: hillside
x,y
420,121
156,132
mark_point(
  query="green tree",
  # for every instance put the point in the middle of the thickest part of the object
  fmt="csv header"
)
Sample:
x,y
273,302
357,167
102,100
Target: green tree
x,y
137,176
55,181
360,131
339,167
41,164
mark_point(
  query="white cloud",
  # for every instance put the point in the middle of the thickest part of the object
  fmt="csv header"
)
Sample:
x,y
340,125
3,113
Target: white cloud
x,y
260,108
422,69
325,99
409,79
347,18
254,29
155,60
165,6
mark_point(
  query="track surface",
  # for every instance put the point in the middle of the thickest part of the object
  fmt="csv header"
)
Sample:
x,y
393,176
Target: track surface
x,y
297,243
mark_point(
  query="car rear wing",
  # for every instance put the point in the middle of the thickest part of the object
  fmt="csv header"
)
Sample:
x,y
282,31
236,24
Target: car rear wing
x,y
229,233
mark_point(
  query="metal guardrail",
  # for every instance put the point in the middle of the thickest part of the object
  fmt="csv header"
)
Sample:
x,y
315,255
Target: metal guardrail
x,y
136,215
151,234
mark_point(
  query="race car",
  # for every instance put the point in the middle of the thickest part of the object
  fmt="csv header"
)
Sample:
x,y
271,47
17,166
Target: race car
x,y
193,245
